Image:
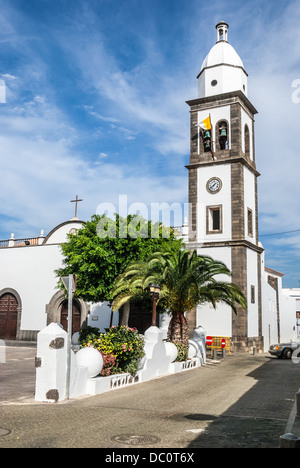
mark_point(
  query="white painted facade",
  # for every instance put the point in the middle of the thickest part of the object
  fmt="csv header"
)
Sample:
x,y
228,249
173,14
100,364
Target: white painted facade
x,y
217,322
287,301
252,282
27,272
279,309
101,316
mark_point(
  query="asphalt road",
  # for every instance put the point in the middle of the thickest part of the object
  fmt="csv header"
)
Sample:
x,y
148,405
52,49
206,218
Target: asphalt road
x,y
242,401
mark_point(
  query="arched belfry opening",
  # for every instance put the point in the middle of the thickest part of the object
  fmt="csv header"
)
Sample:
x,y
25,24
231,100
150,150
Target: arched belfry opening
x,y
222,135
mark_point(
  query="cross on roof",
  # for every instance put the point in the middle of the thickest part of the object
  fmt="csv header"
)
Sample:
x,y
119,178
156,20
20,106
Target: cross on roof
x,y
76,203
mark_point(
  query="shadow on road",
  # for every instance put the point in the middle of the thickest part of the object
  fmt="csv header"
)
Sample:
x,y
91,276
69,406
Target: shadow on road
x,y
259,417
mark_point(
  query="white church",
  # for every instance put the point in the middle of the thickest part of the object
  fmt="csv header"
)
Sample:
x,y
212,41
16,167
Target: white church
x,y
223,223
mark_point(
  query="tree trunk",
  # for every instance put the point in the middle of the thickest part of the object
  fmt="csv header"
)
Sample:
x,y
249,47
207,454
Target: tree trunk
x,y
178,329
125,314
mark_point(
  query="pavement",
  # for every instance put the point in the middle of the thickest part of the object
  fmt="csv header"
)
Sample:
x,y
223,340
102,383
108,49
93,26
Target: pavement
x,y
240,401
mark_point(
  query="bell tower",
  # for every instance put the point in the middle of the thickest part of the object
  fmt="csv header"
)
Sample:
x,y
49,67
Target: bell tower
x,y
223,221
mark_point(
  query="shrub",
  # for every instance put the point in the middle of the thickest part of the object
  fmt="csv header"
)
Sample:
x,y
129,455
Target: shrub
x,y
183,351
88,335
109,361
121,343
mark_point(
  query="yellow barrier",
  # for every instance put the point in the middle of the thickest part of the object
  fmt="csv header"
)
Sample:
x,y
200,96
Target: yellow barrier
x,y
217,343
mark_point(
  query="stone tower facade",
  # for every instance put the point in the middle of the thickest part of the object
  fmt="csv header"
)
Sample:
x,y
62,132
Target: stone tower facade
x,y
223,218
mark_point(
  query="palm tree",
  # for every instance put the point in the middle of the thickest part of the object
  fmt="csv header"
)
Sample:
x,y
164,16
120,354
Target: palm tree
x,y
186,279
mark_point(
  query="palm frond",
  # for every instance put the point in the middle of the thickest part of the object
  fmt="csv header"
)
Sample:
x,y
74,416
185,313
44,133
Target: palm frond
x,y
186,279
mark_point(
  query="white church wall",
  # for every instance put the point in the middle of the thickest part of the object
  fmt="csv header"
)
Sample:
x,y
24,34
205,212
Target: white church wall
x,y
294,298
269,315
228,79
288,328
249,203
222,254
252,283
100,316
216,322
59,234
29,270
287,311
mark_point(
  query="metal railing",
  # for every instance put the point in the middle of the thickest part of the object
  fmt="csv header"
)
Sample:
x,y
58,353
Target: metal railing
x,y
19,242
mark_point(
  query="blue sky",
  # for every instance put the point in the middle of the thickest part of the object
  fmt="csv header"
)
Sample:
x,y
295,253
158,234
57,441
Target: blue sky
x,y
95,106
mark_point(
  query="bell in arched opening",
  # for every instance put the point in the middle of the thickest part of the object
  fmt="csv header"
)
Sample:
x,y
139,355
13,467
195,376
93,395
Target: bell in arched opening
x,y
223,133
207,141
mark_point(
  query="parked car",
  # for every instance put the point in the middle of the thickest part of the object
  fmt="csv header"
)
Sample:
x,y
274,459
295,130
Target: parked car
x,y
285,350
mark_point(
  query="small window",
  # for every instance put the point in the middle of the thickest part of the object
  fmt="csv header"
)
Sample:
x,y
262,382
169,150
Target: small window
x,y
214,219
247,141
250,222
214,83
252,294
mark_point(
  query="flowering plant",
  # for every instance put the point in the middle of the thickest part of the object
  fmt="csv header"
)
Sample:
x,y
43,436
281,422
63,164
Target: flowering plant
x,y
109,362
88,335
125,344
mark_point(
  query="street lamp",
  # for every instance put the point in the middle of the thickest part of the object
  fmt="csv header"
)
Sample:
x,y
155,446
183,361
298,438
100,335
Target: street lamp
x,y
154,293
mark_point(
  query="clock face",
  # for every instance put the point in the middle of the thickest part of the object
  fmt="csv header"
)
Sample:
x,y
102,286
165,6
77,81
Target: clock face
x,y
214,185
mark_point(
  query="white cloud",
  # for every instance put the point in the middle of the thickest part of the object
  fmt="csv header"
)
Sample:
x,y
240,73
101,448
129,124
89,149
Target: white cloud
x,y
44,157
40,173
277,125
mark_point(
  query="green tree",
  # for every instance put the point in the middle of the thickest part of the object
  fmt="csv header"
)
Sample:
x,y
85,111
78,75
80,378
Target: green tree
x,y
103,248
186,280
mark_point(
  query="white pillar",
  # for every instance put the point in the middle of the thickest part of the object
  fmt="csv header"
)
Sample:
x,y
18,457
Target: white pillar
x,y
51,363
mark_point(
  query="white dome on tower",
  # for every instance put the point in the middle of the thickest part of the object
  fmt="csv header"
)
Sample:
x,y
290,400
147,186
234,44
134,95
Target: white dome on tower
x,y
222,70
222,52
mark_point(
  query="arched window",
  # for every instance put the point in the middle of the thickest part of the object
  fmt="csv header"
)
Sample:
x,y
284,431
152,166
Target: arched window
x,y
222,132
247,141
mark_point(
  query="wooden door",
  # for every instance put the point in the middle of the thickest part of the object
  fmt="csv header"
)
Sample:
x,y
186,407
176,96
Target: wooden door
x,y
75,317
8,316
140,318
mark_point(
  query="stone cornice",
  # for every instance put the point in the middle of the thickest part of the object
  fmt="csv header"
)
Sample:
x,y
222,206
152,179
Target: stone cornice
x,y
223,97
232,160
225,243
